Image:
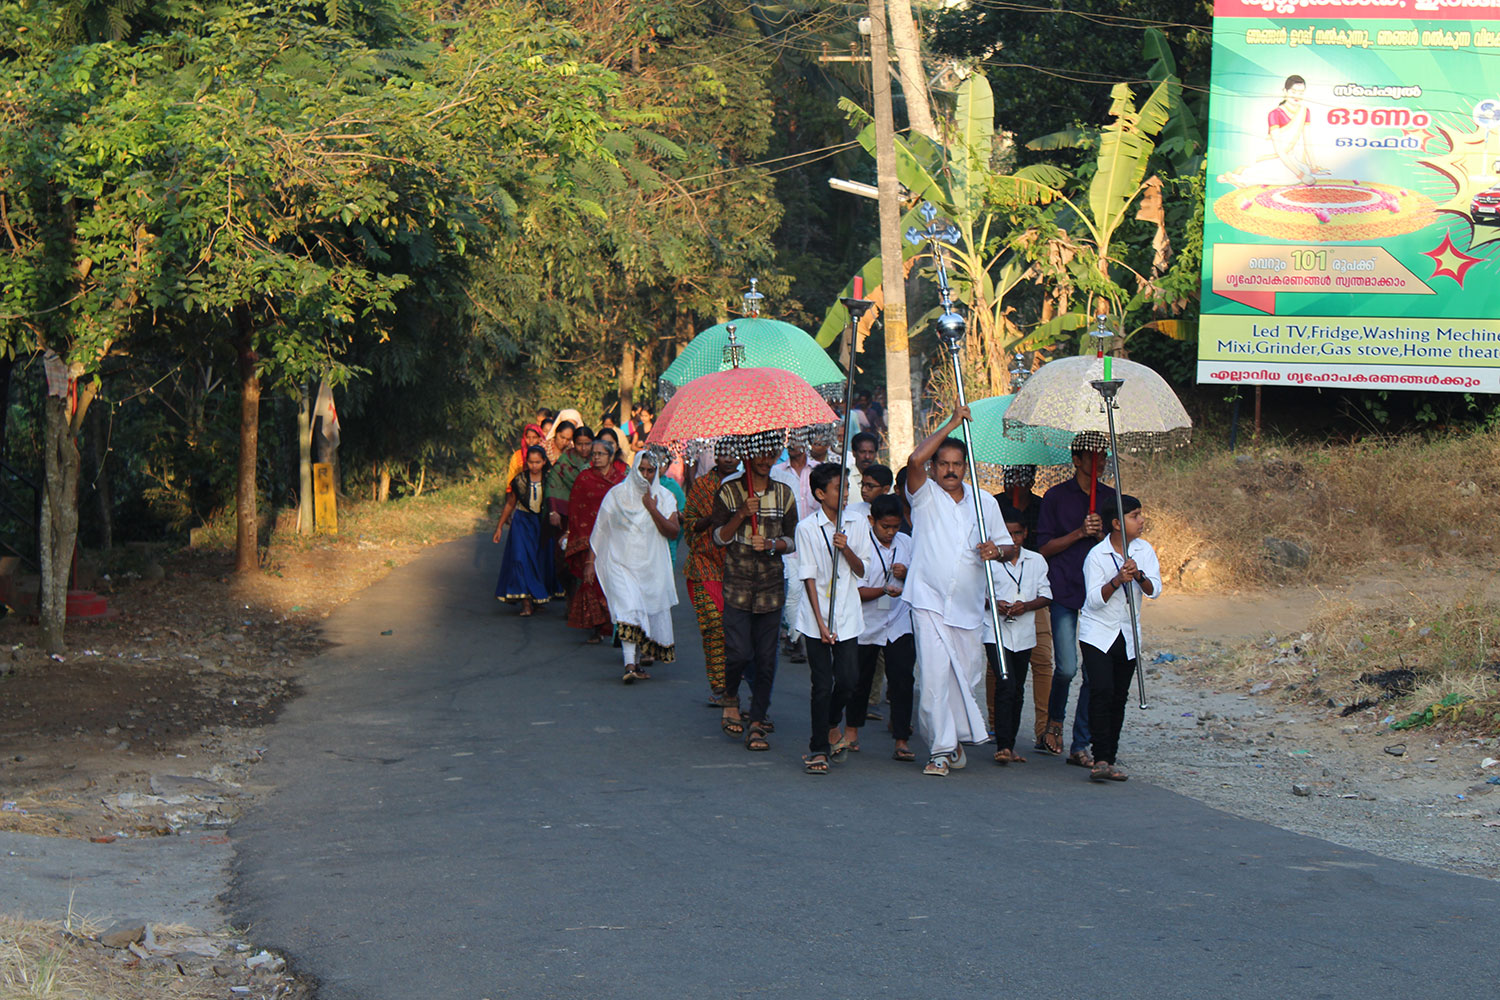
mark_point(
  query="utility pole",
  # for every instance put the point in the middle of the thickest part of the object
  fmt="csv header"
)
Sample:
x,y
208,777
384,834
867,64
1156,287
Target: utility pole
x,y
899,417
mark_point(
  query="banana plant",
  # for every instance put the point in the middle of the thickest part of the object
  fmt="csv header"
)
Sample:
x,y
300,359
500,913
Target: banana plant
x,y
957,178
1124,148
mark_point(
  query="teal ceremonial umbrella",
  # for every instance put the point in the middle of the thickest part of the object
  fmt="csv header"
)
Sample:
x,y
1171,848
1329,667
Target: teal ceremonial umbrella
x,y
991,445
754,342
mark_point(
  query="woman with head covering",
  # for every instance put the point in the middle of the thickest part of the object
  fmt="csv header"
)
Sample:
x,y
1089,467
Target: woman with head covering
x,y
636,521
567,423
530,437
586,608
622,453
565,470
526,570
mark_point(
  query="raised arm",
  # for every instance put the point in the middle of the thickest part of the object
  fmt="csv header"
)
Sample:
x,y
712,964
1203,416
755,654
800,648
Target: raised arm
x,y
916,465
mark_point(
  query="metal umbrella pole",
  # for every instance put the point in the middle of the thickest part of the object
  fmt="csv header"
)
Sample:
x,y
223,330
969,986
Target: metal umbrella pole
x,y
857,305
951,328
1109,388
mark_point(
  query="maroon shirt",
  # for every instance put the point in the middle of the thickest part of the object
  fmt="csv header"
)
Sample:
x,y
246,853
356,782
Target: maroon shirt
x,y
1064,507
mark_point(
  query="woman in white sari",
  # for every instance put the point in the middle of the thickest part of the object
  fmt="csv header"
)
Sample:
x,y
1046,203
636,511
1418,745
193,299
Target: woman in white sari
x,y
634,566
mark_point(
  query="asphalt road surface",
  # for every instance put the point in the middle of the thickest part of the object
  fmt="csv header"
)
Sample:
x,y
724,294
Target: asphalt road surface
x,y
474,806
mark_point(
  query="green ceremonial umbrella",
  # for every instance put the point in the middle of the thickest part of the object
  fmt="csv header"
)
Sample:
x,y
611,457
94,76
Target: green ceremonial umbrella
x,y
759,343
991,445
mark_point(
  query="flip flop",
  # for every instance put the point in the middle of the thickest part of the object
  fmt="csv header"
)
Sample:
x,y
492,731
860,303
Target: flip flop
x,y
904,755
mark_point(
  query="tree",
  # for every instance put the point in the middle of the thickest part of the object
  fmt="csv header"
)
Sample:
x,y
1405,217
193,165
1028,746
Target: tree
x,y
1053,62
958,179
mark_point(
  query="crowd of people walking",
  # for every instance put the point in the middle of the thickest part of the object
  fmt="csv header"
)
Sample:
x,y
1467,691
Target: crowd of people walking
x,y
872,578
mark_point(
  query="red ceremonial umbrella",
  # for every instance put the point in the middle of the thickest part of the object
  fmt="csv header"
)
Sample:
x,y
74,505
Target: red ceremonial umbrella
x,y
742,411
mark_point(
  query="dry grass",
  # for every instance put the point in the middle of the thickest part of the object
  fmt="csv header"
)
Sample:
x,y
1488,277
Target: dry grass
x,y
1394,659
48,960
1404,500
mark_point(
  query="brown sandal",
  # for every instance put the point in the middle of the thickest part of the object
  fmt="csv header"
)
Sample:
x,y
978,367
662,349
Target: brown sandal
x,y
1051,742
1080,758
1003,757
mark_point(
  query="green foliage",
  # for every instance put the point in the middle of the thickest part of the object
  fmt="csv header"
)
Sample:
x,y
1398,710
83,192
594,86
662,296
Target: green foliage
x,y
1052,63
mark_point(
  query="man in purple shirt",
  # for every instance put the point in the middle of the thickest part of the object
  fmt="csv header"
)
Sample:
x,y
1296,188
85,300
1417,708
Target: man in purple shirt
x,y
1066,530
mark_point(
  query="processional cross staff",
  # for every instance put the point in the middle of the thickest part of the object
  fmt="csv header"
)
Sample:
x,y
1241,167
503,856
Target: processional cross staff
x,y
857,305
951,328
1108,388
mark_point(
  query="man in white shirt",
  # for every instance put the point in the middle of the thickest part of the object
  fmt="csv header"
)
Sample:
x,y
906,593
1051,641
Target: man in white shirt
x,y
830,549
946,589
1021,590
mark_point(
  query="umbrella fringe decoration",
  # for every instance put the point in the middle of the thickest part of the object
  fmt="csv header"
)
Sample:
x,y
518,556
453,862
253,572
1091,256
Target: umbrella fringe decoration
x,y
833,392
747,446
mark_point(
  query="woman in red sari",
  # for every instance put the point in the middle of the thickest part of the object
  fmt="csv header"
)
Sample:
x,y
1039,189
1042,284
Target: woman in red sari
x,y
587,608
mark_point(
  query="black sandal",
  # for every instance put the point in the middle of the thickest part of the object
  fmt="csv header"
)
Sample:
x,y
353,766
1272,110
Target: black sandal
x,y
903,754
755,737
815,763
732,725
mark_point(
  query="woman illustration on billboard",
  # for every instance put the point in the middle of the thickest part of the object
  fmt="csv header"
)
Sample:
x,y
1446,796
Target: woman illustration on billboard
x,y
1288,126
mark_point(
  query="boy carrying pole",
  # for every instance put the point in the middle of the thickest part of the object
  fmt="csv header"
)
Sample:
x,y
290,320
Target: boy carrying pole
x,y
828,549
1117,570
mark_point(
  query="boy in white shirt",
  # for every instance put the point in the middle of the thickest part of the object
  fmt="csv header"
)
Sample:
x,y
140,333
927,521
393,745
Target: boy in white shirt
x,y
1022,589
875,481
887,626
1119,568
832,657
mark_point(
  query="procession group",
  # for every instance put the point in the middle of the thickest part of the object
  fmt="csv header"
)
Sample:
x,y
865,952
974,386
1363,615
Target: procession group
x,y
888,585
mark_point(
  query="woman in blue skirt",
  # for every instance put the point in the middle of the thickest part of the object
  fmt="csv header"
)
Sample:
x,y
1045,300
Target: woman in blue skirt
x,y
527,576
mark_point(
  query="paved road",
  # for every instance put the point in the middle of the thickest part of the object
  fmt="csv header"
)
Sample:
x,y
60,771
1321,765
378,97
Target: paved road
x,y
474,806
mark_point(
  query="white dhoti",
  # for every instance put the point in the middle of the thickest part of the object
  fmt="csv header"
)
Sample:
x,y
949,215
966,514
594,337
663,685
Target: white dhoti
x,y
950,666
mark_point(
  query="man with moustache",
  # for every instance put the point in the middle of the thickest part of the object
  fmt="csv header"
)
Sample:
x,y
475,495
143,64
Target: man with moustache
x,y
946,589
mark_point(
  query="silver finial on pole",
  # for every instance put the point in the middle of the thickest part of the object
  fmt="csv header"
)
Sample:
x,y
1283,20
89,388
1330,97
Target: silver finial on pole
x,y
751,300
1020,371
734,351
951,330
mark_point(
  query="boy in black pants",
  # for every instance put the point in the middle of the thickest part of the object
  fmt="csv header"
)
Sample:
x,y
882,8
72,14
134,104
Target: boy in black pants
x,y
1118,569
828,549
1022,590
887,624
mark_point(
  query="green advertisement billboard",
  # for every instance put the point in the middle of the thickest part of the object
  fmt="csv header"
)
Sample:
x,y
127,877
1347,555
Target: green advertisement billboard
x,y
1353,212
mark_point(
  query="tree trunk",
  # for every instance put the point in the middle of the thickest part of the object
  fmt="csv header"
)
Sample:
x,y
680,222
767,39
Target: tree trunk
x,y
627,385
892,284
383,483
99,463
908,46
304,462
246,533
58,531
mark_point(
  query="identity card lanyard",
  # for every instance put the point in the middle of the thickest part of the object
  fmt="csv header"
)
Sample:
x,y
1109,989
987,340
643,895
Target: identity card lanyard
x,y
1015,579
883,602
